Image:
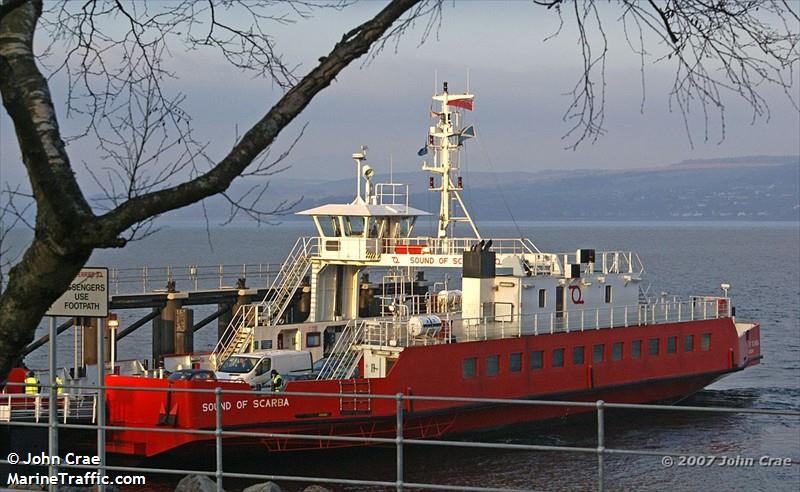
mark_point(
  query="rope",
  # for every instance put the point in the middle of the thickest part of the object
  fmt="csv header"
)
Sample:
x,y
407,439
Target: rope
x,y
497,186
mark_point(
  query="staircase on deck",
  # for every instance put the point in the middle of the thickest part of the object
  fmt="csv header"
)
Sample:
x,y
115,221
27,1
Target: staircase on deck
x,y
238,336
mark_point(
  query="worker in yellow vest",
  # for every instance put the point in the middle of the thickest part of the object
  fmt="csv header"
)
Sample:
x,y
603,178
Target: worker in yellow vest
x,y
59,385
31,384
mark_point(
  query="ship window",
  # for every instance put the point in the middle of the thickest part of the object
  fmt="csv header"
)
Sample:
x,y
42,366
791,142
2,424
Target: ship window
x,y
515,362
705,342
577,356
616,350
597,353
636,349
313,339
492,365
542,298
652,346
537,359
354,226
558,357
672,344
608,294
688,343
470,367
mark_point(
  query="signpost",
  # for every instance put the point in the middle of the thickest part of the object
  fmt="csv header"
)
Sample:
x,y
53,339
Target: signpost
x,y
86,296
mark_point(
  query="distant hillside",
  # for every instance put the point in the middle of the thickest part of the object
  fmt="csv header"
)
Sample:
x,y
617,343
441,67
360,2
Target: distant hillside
x,y
732,188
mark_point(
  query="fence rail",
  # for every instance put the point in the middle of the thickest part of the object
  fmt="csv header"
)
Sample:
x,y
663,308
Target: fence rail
x,y
150,278
600,407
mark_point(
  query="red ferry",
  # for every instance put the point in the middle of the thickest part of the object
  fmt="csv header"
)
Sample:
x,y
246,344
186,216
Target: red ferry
x,y
520,323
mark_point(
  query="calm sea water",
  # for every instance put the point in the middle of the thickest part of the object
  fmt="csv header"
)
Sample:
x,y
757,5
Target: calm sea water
x,y
760,261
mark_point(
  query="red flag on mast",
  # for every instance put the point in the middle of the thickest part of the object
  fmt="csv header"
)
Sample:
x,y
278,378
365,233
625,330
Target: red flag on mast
x,y
463,101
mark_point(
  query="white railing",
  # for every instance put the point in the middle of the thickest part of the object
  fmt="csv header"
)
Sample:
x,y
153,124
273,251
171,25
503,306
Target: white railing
x,y
394,331
18,407
189,277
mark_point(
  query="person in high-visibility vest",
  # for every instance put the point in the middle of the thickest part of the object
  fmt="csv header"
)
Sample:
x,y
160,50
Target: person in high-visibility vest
x,y
59,385
31,384
277,381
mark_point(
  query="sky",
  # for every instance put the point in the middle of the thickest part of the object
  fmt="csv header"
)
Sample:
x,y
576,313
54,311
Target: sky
x,y
519,81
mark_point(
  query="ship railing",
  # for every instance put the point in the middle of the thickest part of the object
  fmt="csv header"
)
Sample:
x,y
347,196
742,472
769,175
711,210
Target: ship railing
x,y
393,331
454,245
607,262
405,434
188,277
70,407
391,194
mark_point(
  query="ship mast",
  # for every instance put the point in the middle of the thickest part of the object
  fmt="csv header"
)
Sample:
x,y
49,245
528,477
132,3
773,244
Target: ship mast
x,y
445,139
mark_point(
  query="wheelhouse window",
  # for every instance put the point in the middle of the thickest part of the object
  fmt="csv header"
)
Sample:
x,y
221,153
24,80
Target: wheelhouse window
x,y
636,349
313,339
537,359
672,345
354,226
558,358
609,294
577,356
616,350
492,365
705,342
542,298
597,353
688,343
470,367
515,362
652,346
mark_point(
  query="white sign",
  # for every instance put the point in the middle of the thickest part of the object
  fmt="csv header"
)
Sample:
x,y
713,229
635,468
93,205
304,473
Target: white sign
x,y
87,296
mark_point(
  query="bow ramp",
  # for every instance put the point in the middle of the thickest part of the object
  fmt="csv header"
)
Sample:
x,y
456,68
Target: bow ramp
x,y
238,336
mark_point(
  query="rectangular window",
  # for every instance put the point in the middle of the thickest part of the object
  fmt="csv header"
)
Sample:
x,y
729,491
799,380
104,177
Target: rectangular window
x,y
313,339
608,294
515,362
652,346
672,345
705,342
492,365
688,343
597,353
542,298
636,349
537,359
470,367
558,357
616,350
577,356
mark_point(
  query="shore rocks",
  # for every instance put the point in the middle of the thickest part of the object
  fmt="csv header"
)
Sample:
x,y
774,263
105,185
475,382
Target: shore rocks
x,y
264,487
196,483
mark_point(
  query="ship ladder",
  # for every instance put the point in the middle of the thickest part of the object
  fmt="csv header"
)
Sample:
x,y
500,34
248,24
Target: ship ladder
x,y
357,403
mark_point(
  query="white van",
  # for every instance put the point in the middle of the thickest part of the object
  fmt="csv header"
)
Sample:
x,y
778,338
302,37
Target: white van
x,y
255,367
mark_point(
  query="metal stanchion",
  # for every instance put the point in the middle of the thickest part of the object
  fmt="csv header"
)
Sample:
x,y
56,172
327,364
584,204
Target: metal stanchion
x,y
101,400
52,406
600,445
218,436
399,440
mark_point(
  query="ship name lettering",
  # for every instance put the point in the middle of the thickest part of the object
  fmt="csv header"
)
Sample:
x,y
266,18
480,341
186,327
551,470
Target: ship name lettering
x,y
421,260
271,402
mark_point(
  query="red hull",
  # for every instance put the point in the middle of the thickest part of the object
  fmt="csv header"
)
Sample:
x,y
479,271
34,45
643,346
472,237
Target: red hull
x,y
438,370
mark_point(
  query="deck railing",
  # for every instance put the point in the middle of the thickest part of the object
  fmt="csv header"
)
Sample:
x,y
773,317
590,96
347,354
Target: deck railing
x,y
393,331
399,441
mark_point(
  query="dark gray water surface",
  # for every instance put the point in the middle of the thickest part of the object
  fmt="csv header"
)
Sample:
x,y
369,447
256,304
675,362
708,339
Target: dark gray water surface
x,y
760,261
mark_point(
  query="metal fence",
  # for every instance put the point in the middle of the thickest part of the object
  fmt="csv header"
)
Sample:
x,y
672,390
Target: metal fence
x,y
189,277
600,408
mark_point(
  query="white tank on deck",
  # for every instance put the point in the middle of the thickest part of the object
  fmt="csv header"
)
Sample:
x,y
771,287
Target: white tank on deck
x,y
427,325
448,300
